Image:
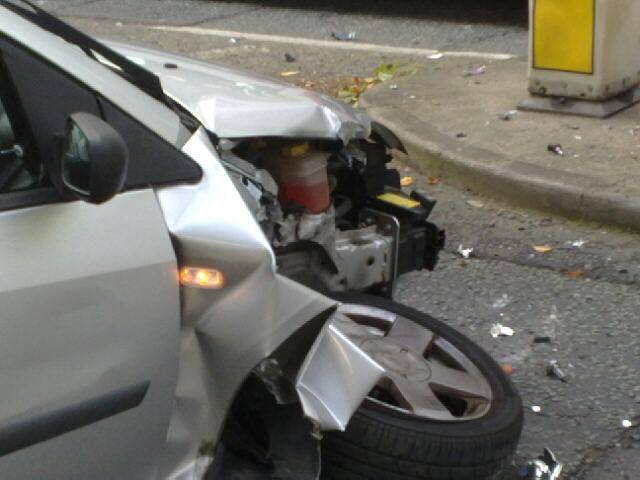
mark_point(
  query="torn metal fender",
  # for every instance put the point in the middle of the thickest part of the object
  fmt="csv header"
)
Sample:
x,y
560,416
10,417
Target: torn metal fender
x,y
334,379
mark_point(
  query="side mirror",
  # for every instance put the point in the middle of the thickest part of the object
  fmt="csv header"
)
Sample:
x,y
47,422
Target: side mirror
x,y
94,159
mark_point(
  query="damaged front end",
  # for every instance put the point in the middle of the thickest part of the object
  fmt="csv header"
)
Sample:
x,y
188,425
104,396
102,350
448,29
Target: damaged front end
x,y
297,198
276,424
313,171
232,331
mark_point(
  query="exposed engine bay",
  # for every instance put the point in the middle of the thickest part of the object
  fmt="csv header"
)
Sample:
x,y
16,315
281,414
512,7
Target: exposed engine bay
x,y
335,215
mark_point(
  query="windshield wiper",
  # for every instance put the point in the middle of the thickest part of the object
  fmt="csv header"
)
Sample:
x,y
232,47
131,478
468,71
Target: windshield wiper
x,y
135,74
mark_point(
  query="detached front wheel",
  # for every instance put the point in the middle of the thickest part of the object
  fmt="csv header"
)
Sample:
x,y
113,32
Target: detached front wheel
x,y
444,411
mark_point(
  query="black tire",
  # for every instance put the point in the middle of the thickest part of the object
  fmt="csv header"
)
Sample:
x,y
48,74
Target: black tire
x,y
382,444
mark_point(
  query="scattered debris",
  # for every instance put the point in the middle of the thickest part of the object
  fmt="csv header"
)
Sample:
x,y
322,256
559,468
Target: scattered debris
x,y
577,137
289,58
465,252
234,40
536,408
576,273
544,339
543,248
578,243
506,116
499,330
436,56
344,37
475,203
554,371
626,423
289,73
507,368
545,467
502,302
407,181
433,180
383,72
481,70
555,148
461,135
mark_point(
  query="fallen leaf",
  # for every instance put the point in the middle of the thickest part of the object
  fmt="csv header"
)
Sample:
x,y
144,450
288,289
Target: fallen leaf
x,y
543,248
406,181
577,273
290,73
433,180
507,368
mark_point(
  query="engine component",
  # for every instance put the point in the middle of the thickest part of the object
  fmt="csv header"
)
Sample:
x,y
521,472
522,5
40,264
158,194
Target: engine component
x,y
301,174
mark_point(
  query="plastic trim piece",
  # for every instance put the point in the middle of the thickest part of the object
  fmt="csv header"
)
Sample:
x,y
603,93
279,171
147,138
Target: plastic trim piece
x,y
32,428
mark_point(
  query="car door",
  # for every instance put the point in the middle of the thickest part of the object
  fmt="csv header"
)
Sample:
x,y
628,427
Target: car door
x,y
89,304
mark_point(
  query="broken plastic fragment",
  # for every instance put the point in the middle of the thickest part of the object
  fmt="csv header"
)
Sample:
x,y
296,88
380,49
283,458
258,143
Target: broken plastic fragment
x,y
481,70
475,203
542,340
578,243
543,248
499,330
436,56
555,148
536,408
406,181
464,252
290,73
626,423
344,37
554,371
506,116
545,467
393,86
502,302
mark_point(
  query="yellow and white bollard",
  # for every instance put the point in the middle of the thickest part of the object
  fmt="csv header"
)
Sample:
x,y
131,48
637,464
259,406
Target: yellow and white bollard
x,y
584,56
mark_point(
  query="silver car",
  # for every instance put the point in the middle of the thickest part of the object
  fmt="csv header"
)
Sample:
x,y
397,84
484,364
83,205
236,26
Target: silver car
x,y
166,228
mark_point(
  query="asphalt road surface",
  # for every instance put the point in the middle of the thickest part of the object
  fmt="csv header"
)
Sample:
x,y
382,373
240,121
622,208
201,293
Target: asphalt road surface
x,y
583,294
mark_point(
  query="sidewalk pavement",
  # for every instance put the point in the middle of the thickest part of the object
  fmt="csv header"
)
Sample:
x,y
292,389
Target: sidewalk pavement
x,y
452,120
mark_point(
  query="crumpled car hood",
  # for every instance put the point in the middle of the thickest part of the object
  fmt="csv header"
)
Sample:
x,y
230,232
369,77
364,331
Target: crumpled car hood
x,y
234,104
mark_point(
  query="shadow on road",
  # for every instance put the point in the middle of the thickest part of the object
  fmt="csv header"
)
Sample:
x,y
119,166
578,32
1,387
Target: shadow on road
x,y
509,12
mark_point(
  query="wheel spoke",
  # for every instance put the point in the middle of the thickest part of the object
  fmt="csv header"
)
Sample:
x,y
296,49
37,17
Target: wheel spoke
x,y
350,328
417,397
448,380
411,335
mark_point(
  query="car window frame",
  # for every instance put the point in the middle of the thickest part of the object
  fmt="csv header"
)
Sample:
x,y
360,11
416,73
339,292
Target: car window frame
x,y
51,193
24,137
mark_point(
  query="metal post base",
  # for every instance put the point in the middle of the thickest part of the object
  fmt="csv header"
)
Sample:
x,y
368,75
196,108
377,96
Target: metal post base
x,y
587,108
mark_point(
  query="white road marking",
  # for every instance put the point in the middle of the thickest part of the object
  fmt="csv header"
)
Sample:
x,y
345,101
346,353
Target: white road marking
x,y
311,42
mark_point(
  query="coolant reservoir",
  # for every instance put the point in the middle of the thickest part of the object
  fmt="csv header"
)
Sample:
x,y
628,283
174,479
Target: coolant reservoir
x,y
301,174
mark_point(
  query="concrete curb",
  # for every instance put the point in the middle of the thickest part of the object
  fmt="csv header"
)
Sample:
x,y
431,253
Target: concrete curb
x,y
579,197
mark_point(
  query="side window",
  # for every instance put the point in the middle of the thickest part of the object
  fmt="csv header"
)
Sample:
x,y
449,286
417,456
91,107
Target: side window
x,y
47,97
19,169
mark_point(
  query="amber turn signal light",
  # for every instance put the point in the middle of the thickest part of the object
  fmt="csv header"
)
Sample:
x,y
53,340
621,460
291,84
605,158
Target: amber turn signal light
x,y
201,278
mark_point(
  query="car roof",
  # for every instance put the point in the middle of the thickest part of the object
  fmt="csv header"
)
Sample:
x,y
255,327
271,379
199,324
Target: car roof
x,y
72,60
